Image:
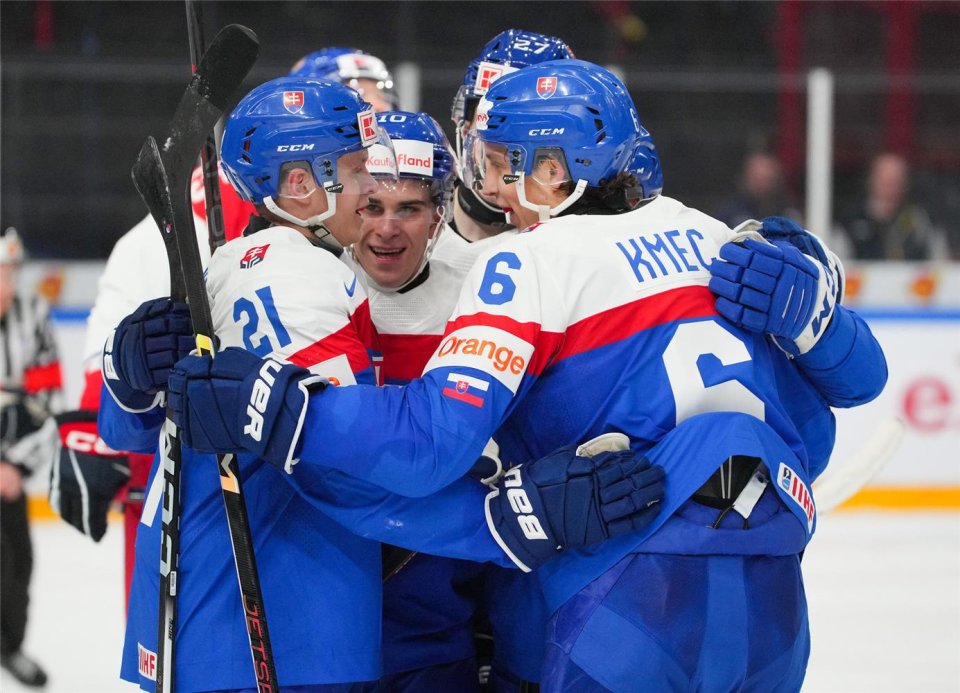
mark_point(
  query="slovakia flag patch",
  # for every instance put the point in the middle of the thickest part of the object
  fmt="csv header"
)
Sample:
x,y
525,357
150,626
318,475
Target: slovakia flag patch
x,y
254,256
466,388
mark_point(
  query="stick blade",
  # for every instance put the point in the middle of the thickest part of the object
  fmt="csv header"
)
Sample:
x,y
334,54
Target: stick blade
x,y
150,179
226,63
843,479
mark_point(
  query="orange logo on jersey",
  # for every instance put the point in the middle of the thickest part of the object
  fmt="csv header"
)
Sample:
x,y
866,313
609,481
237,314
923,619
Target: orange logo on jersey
x,y
502,358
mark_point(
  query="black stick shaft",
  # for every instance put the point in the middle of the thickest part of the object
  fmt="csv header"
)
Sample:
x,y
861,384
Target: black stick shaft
x,y
209,156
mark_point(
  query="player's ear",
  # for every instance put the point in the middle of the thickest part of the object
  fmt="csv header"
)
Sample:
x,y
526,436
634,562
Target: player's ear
x,y
297,182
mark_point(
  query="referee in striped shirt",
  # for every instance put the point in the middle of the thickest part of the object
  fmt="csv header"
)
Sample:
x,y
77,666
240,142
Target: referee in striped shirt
x,y
30,383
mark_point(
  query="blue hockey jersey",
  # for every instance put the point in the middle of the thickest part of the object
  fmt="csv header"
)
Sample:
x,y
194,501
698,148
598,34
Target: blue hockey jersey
x,y
585,325
317,534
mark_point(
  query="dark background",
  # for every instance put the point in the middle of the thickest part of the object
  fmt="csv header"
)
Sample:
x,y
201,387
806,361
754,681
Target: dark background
x,y
84,82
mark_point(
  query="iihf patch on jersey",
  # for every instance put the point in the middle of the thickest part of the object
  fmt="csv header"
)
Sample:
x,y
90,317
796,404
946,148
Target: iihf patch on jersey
x,y
254,256
798,491
466,389
146,662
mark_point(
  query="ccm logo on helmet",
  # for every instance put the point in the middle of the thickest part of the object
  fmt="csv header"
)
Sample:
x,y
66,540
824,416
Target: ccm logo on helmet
x,y
520,504
294,147
540,132
259,398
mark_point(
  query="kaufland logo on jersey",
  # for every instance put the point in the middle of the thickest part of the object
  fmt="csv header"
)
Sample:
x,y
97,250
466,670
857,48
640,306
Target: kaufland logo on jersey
x,y
254,256
367,124
293,101
798,491
466,388
546,87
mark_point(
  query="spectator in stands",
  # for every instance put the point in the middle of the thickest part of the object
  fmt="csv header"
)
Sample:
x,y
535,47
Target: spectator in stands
x,y
761,192
888,225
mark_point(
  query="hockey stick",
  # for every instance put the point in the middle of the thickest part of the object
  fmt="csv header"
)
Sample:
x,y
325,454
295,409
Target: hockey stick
x,y
840,482
164,183
209,156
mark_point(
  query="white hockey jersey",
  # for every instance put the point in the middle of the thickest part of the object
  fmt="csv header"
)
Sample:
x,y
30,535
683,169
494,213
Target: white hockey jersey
x,y
275,293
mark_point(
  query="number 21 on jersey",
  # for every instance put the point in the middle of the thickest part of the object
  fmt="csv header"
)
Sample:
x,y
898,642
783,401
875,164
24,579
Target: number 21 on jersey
x,y
248,313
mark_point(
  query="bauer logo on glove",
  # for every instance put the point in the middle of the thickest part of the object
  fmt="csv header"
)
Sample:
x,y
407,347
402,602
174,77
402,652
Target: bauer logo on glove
x,y
573,497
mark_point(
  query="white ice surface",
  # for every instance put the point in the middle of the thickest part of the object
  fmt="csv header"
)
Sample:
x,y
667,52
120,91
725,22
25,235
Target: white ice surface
x,y
884,593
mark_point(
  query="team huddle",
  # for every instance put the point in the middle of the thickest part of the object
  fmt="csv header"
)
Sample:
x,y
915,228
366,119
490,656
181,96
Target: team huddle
x,y
503,386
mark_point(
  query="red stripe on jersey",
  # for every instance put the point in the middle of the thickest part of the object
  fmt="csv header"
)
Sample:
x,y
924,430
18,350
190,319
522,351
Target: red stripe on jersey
x,y
39,378
545,343
343,341
405,355
363,325
598,330
463,396
92,384
624,321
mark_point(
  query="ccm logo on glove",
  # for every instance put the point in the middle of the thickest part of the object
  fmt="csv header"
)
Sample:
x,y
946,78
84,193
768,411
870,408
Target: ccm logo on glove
x,y
259,397
82,436
521,505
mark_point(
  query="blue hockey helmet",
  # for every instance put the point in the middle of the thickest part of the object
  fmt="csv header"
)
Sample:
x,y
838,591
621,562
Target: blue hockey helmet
x,y
571,112
506,52
422,151
347,65
645,166
292,119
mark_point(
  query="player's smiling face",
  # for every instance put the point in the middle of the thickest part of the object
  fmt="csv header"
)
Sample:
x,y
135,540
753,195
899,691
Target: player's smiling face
x,y
505,195
357,185
398,222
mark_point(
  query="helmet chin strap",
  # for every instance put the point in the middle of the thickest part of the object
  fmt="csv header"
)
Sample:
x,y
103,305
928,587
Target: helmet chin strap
x,y
314,223
545,212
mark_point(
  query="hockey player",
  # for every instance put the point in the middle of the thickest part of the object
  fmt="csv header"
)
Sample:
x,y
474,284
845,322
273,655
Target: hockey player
x,y
357,69
87,477
133,276
476,218
518,646
281,291
597,322
430,602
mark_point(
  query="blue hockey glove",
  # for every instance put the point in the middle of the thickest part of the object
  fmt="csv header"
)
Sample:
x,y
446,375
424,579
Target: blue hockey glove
x,y
787,230
138,357
566,500
776,289
238,401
